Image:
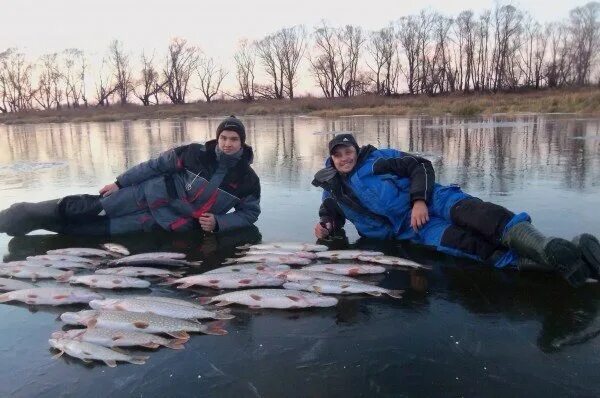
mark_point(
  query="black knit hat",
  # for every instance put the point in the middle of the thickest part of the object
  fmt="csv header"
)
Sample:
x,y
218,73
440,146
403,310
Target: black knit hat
x,y
232,123
343,139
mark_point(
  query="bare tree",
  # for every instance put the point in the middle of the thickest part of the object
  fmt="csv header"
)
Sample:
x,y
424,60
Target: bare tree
x,y
245,60
585,31
16,81
182,61
74,68
383,49
105,84
210,77
270,57
409,42
122,70
291,46
49,91
148,84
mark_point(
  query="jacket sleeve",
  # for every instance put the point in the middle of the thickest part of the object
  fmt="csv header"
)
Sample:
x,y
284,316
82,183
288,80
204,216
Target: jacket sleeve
x,y
165,163
245,214
418,169
330,212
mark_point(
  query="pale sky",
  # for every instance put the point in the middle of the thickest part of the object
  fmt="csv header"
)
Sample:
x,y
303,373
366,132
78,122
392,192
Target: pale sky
x,y
37,27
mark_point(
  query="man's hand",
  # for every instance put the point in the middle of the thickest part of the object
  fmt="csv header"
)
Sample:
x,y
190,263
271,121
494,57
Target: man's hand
x,y
322,230
419,215
207,222
109,189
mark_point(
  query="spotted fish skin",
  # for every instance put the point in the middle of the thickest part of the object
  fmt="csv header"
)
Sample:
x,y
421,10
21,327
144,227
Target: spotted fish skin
x,y
272,298
158,308
270,259
229,280
341,287
249,268
88,351
116,248
391,260
7,284
119,338
34,272
347,254
303,254
109,281
61,257
82,252
137,271
297,275
51,296
288,246
346,269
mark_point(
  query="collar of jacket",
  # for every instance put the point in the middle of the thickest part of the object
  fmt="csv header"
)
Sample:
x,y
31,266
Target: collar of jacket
x,y
327,174
247,153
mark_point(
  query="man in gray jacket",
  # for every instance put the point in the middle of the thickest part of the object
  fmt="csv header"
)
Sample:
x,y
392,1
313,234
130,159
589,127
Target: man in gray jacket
x,y
187,187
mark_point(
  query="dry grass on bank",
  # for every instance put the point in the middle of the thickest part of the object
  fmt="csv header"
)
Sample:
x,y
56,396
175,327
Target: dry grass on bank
x,y
581,101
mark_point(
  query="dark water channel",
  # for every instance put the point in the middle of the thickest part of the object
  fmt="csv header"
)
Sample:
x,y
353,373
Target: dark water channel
x,y
461,330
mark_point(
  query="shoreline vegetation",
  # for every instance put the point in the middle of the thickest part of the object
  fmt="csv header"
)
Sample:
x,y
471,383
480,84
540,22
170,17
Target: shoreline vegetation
x,y
584,101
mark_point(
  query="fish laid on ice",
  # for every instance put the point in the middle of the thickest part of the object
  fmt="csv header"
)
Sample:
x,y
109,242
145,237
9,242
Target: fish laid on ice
x,y
346,269
288,246
228,280
60,264
154,255
119,338
169,300
141,321
347,254
269,258
138,271
304,254
109,281
391,260
62,257
296,275
249,268
82,252
34,272
158,308
116,248
340,287
88,352
159,261
51,296
13,284
272,298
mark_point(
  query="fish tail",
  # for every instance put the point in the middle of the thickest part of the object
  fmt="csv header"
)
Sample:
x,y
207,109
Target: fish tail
x,y
169,281
178,274
395,293
5,297
215,328
138,360
176,344
229,261
244,247
204,300
224,314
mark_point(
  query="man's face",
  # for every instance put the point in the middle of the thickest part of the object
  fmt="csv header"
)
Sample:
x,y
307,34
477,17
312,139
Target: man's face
x,y
344,158
229,142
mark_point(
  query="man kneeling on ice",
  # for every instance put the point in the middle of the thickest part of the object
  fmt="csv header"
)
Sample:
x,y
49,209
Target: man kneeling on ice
x,y
388,194
187,187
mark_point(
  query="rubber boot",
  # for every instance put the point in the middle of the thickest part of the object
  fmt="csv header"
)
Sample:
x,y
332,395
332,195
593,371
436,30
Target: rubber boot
x,y
556,253
590,251
24,217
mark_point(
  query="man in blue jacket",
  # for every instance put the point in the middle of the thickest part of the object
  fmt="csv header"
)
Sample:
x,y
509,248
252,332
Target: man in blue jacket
x,y
187,187
388,194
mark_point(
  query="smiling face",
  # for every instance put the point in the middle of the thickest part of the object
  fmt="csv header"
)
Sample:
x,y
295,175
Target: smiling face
x,y
229,142
344,158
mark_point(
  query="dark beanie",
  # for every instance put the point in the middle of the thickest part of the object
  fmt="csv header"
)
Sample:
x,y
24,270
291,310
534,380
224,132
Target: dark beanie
x,y
232,123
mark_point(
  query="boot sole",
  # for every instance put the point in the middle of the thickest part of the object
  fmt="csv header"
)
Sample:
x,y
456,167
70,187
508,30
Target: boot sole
x,y
590,249
566,259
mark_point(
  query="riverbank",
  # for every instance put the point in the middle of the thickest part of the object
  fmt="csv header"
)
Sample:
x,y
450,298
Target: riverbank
x,y
580,101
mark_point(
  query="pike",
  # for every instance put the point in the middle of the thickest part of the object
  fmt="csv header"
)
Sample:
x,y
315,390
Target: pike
x,y
119,338
303,254
158,308
82,252
346,269
288,246
50,264
138,271
12,284
249,268
169,300
164,255
228,280
61,257
167,262
271,298
34,273
51,296
116,248
137,321
390,260
340,287
269,259
298,275
88,351
347,254
109,281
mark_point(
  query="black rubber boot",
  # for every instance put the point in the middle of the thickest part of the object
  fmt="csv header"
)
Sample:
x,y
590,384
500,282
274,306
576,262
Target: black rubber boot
x,y
559,254
590,251
24,217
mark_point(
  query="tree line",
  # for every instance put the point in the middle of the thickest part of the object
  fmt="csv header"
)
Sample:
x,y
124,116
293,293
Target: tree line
x,y
503,49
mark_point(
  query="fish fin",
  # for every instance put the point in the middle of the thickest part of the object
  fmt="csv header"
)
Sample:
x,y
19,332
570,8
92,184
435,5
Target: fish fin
x,y
151,345
60,296
223,303
56,356
119,307
141,324
354,271
139,360
215,328
317,289
224,314
293,298
395,293
111,363
178,274
256,297
91,323
180,334
4,297
86,360
169,281
230,261
244,247
119,350
245,281
176,344
374,293
204,300
185,285
254,307
65,277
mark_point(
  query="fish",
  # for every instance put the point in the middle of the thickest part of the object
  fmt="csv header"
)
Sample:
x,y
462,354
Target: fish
x,y
390,260
346,269
88,351
347,254
167,262
61,257
228,280
51,296
13,284
59,264
158,308
138,271
248,268
154,255
82,252
34,273
297,275
289,246
138,321
271,298
270,258
341,287
109,281
303,254
116,248
119,338
169,300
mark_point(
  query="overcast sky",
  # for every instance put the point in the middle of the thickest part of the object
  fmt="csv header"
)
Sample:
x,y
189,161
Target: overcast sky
x,y
37,27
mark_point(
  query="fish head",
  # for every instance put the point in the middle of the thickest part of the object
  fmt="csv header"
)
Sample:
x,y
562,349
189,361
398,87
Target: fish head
x,y
78,318
58,335
59,344
323,301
